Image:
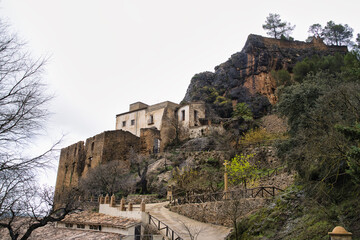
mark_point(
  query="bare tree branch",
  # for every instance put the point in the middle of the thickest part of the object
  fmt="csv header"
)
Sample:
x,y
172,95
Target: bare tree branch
x,y
24,207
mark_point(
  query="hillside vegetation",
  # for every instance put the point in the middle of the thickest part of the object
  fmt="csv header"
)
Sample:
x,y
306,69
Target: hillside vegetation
x,y
321,101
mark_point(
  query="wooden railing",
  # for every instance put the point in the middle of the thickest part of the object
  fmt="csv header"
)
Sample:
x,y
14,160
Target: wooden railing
x,y
164,229
270,173
262,192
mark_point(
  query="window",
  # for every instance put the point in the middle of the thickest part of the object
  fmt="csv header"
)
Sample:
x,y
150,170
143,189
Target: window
x,y
68,225
183,115
195,117
124,123
80,226
92,146
151,120
95,227
132,122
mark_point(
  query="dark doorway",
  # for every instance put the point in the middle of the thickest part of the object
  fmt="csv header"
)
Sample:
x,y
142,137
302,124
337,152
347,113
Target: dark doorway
x,y
137,232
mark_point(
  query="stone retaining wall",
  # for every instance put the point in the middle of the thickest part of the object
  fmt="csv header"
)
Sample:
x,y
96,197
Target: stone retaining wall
x,y
220,212
136,199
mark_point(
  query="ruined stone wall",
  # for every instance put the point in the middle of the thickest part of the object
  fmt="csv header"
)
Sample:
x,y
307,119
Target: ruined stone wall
x,y
199,108
93,150
147,140
197,132
71,161
118,144
77,159
316,43
193,112
168,125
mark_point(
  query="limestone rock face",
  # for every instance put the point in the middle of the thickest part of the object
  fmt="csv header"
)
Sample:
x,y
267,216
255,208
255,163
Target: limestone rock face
x,y
246,75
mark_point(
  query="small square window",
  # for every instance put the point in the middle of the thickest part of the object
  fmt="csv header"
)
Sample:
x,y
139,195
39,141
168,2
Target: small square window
x,y
133,122
80,226
68,225
95,227
124,123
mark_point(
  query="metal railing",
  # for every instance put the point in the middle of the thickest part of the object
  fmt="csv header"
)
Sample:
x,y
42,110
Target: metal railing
x,y
262,192
169,233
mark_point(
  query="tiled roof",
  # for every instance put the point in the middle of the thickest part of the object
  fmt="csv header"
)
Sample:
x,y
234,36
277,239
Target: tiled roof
x,y
92,218
50,232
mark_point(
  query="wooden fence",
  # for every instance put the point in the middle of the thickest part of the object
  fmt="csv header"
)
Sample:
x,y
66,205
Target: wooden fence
x,y
262,192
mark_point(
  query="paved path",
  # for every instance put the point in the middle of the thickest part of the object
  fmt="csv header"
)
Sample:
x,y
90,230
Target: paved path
x,y
176,222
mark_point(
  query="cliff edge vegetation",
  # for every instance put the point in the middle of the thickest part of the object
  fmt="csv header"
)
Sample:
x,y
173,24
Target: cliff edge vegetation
x,y
323,145
246,75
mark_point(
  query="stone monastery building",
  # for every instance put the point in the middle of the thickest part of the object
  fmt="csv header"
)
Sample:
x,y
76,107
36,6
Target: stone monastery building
x,y
145,129
165,117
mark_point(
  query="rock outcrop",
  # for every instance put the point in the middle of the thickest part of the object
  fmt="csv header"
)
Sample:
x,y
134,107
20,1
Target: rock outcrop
x,y
246,76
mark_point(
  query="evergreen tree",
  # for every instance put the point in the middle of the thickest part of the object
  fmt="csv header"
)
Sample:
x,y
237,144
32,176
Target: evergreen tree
x,y
276,28
357,45
337,34
315,30
353,154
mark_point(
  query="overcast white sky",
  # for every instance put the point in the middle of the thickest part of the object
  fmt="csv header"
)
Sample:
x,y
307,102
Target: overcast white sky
x,y
107,54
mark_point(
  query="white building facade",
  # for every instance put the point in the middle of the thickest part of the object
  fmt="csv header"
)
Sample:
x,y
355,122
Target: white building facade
x,y
171,119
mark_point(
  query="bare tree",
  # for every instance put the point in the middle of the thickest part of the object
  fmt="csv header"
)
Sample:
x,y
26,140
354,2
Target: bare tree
x,y
192,231
234,210
23,111
140,164
28,207
108,178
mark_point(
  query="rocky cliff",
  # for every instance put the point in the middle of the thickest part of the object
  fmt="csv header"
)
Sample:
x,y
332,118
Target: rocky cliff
x,y
246,75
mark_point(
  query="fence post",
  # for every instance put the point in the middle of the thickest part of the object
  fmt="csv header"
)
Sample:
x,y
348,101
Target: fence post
x,y
169,195
142,206
122,204
112,201
130,208
107,199
339,233
101,199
